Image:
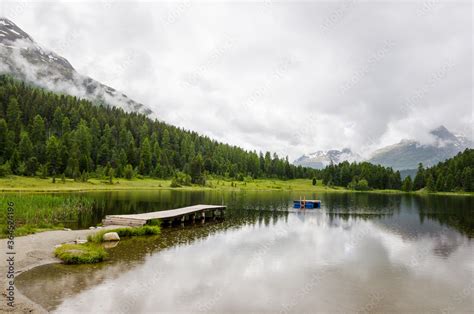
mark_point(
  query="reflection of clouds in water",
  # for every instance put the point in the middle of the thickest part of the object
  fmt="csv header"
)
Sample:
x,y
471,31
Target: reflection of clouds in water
x,y
265,267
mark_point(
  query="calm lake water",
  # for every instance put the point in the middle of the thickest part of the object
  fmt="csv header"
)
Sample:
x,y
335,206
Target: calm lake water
x,y
358,253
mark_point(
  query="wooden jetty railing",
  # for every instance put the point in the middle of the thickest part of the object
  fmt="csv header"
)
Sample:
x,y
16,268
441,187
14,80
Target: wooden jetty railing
x,y
180,214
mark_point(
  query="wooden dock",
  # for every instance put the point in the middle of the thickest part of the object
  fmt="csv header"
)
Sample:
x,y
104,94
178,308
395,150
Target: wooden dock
x,y
180,214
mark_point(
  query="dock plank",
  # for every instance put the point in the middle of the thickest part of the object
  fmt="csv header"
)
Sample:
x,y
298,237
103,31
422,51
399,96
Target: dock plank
x,y
141,219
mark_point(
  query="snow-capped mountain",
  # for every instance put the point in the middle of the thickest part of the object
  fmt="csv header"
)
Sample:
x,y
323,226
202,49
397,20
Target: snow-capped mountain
x,y
405,155
321,159
408,153
24,59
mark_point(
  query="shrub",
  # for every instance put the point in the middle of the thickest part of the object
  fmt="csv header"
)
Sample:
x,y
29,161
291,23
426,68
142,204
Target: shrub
x,y
174,183
43,171
128,172
100,172
84,176
5,169
31,166
359,185
180,179
87,253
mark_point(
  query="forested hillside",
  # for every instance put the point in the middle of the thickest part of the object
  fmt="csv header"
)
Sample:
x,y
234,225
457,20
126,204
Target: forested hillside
x,y
360,176
42,133
454,174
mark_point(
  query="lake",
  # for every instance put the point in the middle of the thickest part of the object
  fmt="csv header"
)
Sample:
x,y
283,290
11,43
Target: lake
x,y
358,253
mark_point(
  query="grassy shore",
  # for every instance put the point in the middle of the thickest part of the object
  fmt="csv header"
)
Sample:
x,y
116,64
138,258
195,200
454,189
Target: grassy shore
x,y
35,184
92,251
38,185
41,212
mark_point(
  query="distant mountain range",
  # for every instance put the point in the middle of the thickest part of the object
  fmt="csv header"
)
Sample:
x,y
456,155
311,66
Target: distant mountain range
x,y
408,153
404,155
321,158
24,59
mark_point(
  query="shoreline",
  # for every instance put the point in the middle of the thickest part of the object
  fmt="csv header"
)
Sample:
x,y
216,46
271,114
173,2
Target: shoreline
x,y
33,185
31,251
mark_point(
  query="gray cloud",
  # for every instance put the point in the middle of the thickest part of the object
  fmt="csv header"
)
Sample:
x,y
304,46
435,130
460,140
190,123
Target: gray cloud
x,y
362,74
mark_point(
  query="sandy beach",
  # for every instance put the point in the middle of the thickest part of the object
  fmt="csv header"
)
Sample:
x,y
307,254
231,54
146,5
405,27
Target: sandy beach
x,y
32,251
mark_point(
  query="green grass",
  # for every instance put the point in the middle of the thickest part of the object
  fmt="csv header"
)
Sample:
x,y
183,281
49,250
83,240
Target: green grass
x,y
125,232
92,251
35,184
40,212
87,253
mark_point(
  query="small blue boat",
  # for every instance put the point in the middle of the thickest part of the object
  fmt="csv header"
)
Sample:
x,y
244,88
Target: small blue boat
x,y
309,204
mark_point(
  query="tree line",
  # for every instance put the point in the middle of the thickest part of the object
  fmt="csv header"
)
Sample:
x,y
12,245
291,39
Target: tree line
x,y
451,175
360,176
454,174
48,134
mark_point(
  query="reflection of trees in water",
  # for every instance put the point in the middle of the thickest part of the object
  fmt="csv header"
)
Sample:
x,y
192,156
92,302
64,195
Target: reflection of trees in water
x,y
404,215
452,211
355,216
456,212
359,202
363,206
61,281
134,202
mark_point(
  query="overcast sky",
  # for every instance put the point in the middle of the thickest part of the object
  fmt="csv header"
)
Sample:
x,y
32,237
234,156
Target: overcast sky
x,y
287,77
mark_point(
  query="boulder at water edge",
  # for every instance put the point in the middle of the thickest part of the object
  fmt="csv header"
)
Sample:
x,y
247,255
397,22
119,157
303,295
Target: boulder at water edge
x,y
111,236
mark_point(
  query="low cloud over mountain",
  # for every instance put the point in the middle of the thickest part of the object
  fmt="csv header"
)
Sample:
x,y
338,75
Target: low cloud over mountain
x,y
23,58
401,156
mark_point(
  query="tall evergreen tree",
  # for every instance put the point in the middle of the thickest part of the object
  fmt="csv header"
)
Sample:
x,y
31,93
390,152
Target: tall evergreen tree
x,y
419,181
407,185
430,184
145,157
3,140
53,152
25,147
14,117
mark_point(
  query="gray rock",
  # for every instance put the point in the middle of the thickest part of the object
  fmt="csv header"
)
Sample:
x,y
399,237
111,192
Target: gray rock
x,y
111,236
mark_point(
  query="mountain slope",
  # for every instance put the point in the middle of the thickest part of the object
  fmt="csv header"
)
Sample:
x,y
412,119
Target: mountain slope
x,y
23,58
320,159
405,155
408,153
53,134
